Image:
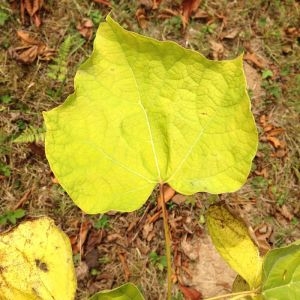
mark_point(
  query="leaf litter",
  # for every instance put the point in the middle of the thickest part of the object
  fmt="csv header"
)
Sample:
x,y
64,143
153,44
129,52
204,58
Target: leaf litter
x,y
263,205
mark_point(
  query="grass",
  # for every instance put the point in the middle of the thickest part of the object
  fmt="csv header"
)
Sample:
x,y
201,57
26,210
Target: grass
x,y
264,28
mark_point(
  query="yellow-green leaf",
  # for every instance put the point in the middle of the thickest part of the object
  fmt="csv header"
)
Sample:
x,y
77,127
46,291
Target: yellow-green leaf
x,y
281,273
127,291
36,263
230,237
146,112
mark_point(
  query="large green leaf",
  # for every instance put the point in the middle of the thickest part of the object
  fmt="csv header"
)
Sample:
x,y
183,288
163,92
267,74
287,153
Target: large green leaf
x,y
146,112
127,291
281,273
231,238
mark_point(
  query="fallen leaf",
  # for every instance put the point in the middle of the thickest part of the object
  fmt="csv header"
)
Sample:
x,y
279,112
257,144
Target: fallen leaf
x,y
36,262
275,142
92,258
256,60
276,131
82,271
285,212
263,172
230,35
85,28
84,229
95,238
279,153
231,238
262,234
190,248
141,17
103,2
168,194
147,230
209,273
202,14
32,7
190,293
123,259
179,199
217,50
188,7
31,50
156,4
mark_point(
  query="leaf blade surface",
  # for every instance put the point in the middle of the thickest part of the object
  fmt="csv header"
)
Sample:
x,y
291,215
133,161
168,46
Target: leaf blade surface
x,y
281,273
231,239
146,112
36,263
127,291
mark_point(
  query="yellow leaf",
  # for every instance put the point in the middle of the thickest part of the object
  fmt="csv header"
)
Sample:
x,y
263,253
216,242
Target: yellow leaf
x,y
230,237
36,263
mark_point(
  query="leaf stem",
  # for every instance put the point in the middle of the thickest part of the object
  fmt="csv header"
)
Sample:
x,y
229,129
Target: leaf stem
x,y
235,296
167,239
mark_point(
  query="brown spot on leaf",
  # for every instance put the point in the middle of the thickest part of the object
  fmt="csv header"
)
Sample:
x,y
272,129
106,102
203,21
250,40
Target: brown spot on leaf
x,y
41,265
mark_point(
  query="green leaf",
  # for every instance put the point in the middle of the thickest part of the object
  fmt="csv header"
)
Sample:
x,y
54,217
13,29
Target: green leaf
x,y
146,112
127,291
231,239
281,273
19,213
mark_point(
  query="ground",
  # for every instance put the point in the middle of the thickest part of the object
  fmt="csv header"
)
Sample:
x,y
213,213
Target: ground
x,y
41,46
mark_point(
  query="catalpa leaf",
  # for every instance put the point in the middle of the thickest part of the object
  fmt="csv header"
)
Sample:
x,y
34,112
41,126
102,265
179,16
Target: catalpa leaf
x,y
231,239
127,291
146,112
281,273
36,263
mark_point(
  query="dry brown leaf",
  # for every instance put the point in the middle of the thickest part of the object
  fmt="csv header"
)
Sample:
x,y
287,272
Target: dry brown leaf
x,y
188,7
82,271
113,237
84,229
190,293
217,50
32,7
31,50
179,199
285,212
231,34
147,231
201,14
123,260
190,248
27,39
256,60
167,13
210,273
275,142
92,258
168,194
262,234
103,2
156,4
141,17
85,28
276,131
263,172
279,153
